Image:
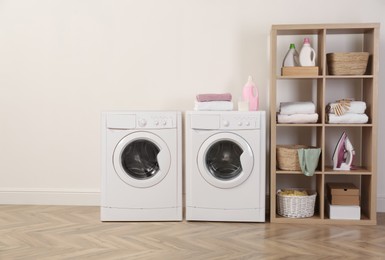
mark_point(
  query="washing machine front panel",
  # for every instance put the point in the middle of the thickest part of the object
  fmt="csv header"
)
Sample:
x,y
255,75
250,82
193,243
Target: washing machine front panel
x,y
207,197
142,159
225,160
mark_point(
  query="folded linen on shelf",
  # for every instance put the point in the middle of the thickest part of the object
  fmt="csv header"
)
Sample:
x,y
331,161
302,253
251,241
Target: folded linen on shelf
x,y
289,108
213,97
213,106
347,119
357,107
297,118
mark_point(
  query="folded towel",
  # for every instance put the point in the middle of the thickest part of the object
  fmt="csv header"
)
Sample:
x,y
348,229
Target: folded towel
x,y
347,119
297,118
356,107
213,105
213,97
289,108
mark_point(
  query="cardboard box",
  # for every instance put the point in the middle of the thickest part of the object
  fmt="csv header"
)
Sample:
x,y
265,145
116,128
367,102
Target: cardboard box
x,y
344,212
343,194
345,200
300,71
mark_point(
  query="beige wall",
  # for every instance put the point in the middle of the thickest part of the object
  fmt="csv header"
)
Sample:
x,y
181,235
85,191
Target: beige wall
x,y
63,62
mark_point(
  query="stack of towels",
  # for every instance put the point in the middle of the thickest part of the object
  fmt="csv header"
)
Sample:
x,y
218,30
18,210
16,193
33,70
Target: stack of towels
x,y
297,113
346,112
213,102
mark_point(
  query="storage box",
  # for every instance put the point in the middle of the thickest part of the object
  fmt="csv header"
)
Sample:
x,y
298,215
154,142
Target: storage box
x,y
343,194
347,63
300,71
344,212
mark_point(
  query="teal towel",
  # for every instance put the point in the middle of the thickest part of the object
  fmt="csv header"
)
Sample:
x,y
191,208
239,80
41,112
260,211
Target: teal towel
x,y
308,160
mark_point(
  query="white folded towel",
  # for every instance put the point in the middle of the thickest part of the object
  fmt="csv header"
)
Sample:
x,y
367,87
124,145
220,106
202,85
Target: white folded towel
x,y
297,118
357,107
347,119
289,108
213,106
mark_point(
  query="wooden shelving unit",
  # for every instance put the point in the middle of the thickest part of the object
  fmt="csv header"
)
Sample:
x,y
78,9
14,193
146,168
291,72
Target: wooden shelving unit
x,y
323,89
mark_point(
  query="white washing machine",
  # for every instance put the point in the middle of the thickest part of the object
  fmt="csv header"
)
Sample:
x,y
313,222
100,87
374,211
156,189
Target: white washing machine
x,y
225,166
141,166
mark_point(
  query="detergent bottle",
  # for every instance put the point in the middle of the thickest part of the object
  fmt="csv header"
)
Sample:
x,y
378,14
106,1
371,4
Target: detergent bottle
x,y
307,54
291,57
250,94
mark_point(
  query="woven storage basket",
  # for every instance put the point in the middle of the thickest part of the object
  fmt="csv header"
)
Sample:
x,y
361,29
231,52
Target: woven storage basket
x,y
347,63
287,157
296,206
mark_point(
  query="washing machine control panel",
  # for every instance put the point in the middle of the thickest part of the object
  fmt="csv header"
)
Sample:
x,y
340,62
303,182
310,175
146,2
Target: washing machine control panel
x,y
233,121
155,120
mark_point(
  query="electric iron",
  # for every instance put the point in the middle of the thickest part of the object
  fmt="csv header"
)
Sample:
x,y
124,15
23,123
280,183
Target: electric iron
x,y
343,154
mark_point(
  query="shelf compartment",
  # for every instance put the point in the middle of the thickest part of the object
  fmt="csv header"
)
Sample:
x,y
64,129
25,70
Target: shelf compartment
x,y
364,182
286,37
355,88
351,41
300,90
300,181
332,136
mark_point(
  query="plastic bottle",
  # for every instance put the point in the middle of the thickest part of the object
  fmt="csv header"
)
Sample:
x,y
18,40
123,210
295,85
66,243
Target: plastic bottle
x,y
250,94
307,54
291,57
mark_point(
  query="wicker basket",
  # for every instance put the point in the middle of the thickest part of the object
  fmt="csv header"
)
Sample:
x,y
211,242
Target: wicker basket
x,y
287,157
347,63
296,206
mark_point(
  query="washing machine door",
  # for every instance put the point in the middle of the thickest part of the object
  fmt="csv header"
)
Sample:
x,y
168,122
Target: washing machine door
x,y
225,160
142,159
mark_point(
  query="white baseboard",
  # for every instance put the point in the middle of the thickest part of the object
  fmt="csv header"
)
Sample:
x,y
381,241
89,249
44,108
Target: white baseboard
x,y
49,197
381,203
83,197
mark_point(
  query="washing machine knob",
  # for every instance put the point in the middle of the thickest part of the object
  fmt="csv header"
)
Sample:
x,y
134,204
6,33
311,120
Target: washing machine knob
x,y
226,123
240,123
142,122
156,122
164,122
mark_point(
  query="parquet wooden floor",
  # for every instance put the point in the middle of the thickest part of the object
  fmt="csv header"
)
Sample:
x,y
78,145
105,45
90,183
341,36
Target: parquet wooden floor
x,y
73,232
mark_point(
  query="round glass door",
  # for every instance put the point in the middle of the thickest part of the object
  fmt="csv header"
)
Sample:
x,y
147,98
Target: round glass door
x,y
225,160
142,159
139,159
